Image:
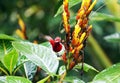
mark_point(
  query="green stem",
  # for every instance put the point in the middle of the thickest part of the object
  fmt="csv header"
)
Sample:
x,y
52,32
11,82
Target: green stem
x,y
99,53
44,80
4,71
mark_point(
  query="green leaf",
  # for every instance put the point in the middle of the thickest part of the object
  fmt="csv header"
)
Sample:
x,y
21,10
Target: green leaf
x,y
10,60
14,79
109,75
86,67
3,69
38,54
5,47
30,70
113,38
71,4
62,69
47,44
2,79
95,16
73,79
6,37
21,60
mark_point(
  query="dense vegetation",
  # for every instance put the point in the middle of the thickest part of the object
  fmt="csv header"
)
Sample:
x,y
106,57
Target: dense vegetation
x,y
27,55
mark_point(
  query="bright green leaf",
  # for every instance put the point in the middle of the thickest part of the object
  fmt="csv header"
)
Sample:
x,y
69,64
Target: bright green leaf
x,y
71,4
5,47
113,37
38,54
95,16
30,70
6,37
10,60
86,67
14,79
109,75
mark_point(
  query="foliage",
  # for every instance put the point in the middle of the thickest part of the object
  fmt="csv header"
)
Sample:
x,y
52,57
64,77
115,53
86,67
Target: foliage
x,y
22,61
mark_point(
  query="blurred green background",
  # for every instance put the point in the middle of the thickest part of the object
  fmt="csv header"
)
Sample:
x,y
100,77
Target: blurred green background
x,y
38,16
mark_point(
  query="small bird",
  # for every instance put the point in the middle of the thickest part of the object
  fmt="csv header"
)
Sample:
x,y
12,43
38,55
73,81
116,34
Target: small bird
x,y
57,46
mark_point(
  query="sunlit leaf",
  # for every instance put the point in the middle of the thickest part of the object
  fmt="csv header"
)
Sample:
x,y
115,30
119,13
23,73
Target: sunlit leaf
x,y
10,60
86,67
39,55
13,79
6,37
47,44
5,44
113,38
5,47
30,69
2,79
71,4
62,69
95,16
109,75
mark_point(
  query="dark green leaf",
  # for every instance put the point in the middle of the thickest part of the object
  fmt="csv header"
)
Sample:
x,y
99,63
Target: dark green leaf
x,y
3,69
86,67
71,4
30,69
21,60
10,60
14,79
95,16
109,75
73,79
5,47
113,37
38,54
6,37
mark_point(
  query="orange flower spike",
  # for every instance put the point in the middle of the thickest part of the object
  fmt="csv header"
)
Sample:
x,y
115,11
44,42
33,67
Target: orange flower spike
x,y
66,16
82,37
80,47
88,31
20,34
76,32
91,7
21,24
84,7
85,4
22,31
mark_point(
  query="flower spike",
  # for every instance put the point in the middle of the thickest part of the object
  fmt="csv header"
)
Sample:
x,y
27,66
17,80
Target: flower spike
x,y
76,41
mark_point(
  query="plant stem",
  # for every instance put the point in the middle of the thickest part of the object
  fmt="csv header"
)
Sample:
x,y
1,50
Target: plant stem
x,y
104,60
44,80
4,71
62,77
